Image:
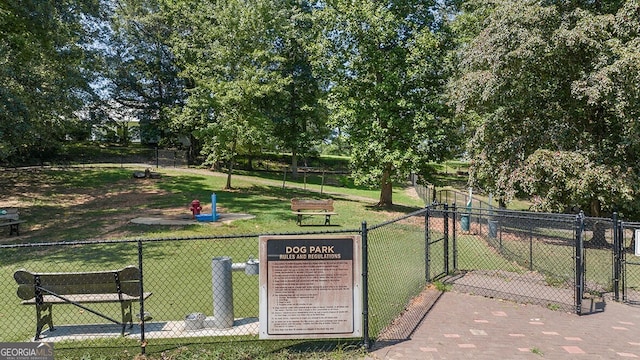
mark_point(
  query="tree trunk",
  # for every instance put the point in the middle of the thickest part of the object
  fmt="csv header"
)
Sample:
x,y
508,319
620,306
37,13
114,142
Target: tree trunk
x,y
502,204
250,162
599,238
386,188
230,165
596,208
229,171
294,164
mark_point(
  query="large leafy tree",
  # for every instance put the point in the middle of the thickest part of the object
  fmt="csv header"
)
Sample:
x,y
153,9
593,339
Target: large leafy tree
x,y
553,77
142,72
46,66
386,65
298,114
227,48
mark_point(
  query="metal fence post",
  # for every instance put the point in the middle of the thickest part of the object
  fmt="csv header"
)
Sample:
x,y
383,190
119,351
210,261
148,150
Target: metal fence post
x,y
453,243
365,286
479,218
143,343
579,229
530,250
445,219
623,262
616,257
427,260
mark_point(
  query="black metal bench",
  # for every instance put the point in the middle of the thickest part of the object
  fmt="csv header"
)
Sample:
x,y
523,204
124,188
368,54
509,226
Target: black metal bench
x,y
11,217
113,286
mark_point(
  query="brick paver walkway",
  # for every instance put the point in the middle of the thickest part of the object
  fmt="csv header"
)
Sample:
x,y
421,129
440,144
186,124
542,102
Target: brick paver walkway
x,y
463,326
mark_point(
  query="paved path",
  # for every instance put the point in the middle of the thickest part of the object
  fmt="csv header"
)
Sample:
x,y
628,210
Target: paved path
x,y
463,326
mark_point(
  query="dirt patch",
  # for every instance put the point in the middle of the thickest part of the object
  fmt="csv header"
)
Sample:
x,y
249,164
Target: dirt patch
x,y
52,204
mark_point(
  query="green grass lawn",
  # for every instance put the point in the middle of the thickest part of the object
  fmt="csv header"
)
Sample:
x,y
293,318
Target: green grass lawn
x,y
99,202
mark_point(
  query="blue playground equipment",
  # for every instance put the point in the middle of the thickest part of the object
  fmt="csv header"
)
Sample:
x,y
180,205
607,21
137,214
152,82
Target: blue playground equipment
x,y
210,217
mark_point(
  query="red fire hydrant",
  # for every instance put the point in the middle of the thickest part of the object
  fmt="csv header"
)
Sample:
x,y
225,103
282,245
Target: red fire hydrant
x,y
195,208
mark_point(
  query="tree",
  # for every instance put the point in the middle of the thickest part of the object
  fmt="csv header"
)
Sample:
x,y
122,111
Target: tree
x,y
227,49
47,66
297,112
143,74
386,63
552,76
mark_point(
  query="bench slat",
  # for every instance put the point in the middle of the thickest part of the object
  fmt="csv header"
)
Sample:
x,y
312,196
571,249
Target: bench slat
x,y
7,223
313,213
27,292
11,214
311,204
311,207
86,299
96,282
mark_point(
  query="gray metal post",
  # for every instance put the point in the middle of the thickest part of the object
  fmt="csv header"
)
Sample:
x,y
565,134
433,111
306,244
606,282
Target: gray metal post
x,y
222,292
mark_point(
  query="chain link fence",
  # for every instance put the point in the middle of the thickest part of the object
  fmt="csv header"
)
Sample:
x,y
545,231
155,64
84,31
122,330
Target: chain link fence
x,y
396,275
523,256
206,289
629,272
200,289
195,289
151,157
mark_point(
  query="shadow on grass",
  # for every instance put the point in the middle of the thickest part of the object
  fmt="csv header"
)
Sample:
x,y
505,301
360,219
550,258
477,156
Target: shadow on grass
x,y
73,205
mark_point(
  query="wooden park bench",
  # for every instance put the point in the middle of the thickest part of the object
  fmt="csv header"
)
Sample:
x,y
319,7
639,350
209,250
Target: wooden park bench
x,y
46,289
309,207
11,217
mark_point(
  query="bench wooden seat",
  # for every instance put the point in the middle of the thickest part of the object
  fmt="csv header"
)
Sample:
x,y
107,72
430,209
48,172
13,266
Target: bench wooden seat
x,y
11,217
46,289
312,207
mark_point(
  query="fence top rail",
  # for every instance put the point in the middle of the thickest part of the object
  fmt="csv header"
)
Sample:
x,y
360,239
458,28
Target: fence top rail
x,y
509,213
412,214
162,239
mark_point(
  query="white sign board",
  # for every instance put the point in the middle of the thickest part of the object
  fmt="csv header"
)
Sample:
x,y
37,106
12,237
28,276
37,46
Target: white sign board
x,y
636,237
310,287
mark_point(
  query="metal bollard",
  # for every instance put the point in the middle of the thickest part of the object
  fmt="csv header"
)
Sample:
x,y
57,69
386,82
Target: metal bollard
x,y
222,293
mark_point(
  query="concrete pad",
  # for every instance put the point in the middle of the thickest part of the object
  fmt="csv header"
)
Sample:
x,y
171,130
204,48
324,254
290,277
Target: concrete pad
x,y
187,220
152,330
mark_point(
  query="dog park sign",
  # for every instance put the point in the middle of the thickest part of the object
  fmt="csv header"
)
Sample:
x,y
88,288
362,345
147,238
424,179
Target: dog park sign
x,y
310,287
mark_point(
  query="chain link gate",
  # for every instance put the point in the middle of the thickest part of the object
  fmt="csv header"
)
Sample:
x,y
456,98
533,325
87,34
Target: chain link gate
x,y
628,264
526,257
437,242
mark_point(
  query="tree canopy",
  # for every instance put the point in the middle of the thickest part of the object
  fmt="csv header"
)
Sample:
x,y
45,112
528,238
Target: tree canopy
x,y
543,95
227,48
547,77
141,72
47,65
387,73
